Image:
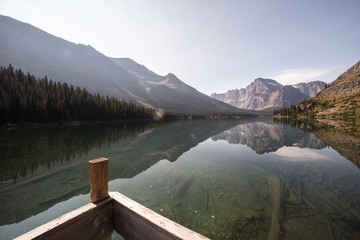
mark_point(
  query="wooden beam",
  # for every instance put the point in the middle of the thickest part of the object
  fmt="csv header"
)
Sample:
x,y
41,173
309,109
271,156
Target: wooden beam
x,y
98,219
99,174
92,221
134,221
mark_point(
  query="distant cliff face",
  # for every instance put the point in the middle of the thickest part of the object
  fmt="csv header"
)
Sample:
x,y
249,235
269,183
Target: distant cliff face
x,y
311,88
263,94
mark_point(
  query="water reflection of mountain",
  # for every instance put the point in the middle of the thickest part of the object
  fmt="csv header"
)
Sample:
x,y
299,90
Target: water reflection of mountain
x,y
343,136
266,136
345,144
166,142
131,150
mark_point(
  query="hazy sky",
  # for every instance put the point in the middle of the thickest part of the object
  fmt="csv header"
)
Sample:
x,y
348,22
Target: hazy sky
x,y
212,45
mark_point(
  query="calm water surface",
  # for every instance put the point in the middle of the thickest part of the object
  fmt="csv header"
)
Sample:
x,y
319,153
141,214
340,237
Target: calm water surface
x,y
248,179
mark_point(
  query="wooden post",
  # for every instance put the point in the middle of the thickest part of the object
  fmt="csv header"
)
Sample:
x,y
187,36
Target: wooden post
x,y
99,173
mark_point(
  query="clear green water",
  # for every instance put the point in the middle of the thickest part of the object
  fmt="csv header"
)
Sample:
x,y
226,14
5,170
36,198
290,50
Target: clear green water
x,y
248,179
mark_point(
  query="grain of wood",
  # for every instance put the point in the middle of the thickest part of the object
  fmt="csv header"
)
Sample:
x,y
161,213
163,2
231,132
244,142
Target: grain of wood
x,y
92,221
99,174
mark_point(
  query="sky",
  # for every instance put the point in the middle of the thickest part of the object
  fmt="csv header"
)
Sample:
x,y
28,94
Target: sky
x,y
212,45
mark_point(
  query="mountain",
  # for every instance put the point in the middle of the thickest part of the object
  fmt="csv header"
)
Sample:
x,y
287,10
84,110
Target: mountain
x,y
35,51
310,88
138,71
345,85
340,99
170,90
267,94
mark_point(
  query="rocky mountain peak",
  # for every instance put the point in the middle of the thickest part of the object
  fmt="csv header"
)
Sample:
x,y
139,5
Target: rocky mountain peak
x,y
263,86
171,81
171,76
268,94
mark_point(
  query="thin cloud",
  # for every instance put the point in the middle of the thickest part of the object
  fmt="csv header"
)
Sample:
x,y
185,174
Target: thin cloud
x,y
293,76
299,154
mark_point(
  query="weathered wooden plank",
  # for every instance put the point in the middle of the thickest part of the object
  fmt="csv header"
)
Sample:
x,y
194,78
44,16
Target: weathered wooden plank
x,y
99,174
97,220
134,221
92,221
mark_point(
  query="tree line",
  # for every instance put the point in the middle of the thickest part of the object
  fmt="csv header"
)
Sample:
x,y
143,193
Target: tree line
x,y
313,106
25,98
306,108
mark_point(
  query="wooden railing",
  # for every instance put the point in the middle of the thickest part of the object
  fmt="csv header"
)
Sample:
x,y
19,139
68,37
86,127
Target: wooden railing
x,y
108,212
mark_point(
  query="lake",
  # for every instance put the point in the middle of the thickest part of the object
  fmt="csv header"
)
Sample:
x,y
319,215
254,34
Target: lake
x,y
243,179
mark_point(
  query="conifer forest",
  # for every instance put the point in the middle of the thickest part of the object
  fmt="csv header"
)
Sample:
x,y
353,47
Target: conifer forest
x,y
25,98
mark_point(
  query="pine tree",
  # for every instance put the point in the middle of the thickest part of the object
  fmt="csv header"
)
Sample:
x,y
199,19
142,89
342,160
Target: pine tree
x,y
25,98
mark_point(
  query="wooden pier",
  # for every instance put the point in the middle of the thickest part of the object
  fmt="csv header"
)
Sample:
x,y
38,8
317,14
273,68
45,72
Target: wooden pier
x,y
108,212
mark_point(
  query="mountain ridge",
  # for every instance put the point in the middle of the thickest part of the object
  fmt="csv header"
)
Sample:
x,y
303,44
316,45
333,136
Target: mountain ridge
x,y
340,99
42,54
310,88
268,94
345,85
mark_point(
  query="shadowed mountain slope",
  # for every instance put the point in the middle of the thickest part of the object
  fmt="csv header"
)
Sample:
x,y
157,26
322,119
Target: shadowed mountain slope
x,y
42,54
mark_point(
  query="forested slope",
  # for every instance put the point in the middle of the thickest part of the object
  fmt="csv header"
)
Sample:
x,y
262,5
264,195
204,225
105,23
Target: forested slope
x,y
25,98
